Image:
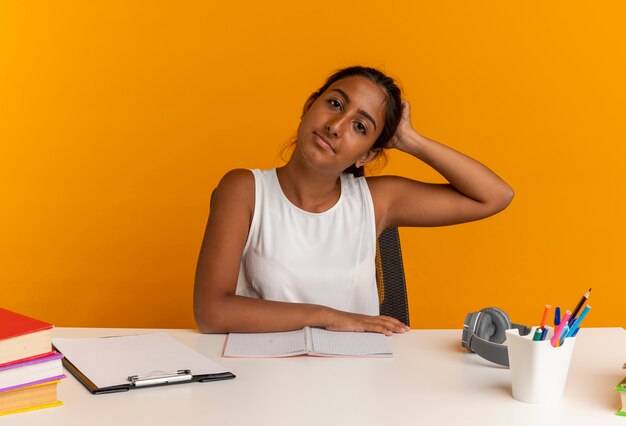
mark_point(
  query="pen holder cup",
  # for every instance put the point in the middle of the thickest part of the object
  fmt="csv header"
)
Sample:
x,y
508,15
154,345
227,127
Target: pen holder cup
x,y
538,370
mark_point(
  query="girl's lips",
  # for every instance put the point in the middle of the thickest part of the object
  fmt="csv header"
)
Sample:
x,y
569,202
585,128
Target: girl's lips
x,y
323,142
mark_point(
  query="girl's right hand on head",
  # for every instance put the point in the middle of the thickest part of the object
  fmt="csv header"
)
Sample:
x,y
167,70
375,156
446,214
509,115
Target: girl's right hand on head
x,y
405,127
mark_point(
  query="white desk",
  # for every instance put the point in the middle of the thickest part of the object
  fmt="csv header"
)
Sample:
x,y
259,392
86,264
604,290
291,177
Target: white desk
x,y
430,381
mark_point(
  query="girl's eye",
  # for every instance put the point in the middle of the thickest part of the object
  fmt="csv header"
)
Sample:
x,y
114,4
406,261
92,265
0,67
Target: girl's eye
x,y
334,103
360,127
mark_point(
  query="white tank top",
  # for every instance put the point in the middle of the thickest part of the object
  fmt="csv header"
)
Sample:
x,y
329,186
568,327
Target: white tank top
x,y
327,258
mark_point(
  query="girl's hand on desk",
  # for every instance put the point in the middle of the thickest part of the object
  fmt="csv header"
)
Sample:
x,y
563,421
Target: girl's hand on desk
x,y
345,321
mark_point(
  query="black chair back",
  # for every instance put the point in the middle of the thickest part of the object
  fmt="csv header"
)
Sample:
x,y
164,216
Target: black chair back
x,y
392,293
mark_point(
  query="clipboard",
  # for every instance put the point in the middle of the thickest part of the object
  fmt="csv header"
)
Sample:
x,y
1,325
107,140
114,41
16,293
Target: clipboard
x,y
122,363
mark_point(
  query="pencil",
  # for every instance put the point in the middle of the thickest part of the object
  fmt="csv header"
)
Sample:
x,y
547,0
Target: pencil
x,y
577,322
580,304
544,317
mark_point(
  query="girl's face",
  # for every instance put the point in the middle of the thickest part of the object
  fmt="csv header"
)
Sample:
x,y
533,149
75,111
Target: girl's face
x,y
339,128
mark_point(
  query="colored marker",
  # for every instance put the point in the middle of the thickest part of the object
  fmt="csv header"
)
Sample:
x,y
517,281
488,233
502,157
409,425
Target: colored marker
x,y
580,305
537,335
544,317
544,333
576,324
564,334
557,333
557,316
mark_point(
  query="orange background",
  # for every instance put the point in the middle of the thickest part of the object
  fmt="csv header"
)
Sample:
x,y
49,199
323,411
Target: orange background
x,y
117,119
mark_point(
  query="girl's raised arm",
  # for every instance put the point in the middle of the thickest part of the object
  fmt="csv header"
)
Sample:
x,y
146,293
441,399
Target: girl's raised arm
x,y
473,192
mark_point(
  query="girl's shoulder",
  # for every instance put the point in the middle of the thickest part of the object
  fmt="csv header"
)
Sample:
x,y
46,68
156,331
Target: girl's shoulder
x,y
383,183
246,177
237,177
236,186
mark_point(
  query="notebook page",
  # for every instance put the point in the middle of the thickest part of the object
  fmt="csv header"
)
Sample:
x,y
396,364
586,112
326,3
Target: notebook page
x,y
341,343
265,345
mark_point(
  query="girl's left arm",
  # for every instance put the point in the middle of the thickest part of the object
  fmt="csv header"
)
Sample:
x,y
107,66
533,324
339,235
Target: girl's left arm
x,y
473,191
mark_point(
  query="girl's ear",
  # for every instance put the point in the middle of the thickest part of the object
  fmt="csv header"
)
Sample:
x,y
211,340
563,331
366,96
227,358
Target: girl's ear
x,y
308,104
370,156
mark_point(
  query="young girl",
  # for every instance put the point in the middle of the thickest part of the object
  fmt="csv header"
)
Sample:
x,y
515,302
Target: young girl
x,y
295,246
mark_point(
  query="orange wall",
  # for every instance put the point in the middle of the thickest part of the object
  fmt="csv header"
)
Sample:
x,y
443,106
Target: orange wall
x,y
117,119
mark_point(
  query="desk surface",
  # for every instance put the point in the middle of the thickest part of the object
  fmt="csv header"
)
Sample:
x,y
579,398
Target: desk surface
x,y
430,380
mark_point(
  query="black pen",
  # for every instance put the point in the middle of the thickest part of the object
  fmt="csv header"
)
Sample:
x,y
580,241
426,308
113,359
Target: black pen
x,y
580,304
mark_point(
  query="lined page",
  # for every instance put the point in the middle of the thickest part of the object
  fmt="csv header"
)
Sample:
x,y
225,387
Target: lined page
x,y
265,345
342,343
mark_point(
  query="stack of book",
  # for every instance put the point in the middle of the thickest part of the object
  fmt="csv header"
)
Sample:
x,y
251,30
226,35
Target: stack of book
x,y
29,369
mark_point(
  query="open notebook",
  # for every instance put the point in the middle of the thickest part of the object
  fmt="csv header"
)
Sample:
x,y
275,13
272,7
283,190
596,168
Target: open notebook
x,y
308,341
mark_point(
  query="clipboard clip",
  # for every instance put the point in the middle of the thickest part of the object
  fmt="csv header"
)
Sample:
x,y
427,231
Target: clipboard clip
x,y
160,378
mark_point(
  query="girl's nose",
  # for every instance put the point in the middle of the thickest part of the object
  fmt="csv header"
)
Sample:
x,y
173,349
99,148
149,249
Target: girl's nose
x,y
334,127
